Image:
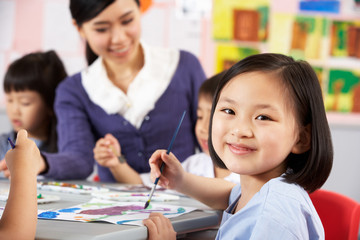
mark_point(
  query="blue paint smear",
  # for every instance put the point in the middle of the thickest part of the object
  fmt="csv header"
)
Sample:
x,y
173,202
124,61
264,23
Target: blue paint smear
x,y
48,214
330,6
125,221
181,210
69,209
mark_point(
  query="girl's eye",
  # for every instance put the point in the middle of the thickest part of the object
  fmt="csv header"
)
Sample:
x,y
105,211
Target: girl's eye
x,y
263,118
25,104
228,111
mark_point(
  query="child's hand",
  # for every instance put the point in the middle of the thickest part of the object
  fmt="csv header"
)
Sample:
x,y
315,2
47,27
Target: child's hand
x,y
159,227
173,172
4,169
106,151
25,157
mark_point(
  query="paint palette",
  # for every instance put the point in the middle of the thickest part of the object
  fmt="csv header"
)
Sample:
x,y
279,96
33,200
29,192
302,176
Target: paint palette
x,y
70,187
47,198
135,196
41,198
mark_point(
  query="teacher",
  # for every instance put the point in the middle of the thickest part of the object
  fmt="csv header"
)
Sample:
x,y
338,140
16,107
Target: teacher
x,y
130,90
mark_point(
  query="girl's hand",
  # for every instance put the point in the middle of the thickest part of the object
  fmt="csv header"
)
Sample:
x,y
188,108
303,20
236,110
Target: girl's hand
x,y
25,158
173,173
4,169
107,150
159,227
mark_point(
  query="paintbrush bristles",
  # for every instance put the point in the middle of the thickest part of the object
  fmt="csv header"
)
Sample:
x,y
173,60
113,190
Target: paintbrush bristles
x,y
147,204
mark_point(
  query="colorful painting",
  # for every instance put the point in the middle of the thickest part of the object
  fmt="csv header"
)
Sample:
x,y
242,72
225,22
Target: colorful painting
x,y
343,91
69,187
130,213
134,196
302,37
228,54
240,20
325,6
345,39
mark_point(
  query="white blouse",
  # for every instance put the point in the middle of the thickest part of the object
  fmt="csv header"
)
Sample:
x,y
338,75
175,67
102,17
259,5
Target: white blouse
x,y
147,87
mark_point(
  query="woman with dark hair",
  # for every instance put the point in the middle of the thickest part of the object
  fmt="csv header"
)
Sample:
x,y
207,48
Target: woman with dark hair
x,y
29,86
126,103
268,124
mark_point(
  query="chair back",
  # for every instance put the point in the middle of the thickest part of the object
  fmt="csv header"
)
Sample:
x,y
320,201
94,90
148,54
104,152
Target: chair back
x,y
339,214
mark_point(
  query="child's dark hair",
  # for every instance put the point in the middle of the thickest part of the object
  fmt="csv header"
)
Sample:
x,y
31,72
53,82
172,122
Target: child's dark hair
x,y
208,87
85,10
312,168
40,72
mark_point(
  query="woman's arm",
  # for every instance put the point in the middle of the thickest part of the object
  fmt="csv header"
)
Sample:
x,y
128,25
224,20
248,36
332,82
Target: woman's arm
x,y
75,134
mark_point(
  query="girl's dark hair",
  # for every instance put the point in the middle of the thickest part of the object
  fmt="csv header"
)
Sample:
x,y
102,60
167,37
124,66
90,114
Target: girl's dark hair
x,y
310,169
39,72
208,87
85,10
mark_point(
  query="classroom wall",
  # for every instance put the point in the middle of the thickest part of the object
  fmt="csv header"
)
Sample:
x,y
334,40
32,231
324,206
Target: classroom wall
x,y
30,25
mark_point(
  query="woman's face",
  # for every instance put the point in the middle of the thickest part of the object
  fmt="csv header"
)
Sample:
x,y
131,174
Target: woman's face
x,y
114,34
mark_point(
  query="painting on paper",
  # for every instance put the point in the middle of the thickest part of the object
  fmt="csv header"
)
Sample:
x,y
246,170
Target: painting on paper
x,y
241,20
343,93
227,55
131,213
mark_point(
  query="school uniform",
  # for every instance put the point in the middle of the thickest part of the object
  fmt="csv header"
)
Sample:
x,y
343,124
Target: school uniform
x,y
88,106
278,211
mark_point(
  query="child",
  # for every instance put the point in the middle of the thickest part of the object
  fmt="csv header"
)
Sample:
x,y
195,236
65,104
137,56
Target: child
x,y
29,85
268,124
22,162
198,164
201,164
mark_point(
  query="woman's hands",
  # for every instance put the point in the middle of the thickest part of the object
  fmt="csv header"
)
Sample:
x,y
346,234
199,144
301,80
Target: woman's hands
x,y
107,150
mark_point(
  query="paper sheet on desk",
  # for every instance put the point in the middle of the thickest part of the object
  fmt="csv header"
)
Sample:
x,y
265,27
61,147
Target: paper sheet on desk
x,y
130,213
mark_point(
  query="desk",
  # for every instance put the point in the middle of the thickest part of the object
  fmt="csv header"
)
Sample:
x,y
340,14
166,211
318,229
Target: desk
x,y
56,229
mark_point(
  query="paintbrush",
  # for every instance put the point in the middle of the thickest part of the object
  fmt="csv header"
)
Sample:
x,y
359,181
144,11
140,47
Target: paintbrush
x,y
163,164
11,143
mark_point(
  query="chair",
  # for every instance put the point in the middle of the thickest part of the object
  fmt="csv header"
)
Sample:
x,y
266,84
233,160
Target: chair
x,y
339,214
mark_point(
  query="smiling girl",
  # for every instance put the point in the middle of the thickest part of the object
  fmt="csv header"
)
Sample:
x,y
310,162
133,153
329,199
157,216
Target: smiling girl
x,y
268,124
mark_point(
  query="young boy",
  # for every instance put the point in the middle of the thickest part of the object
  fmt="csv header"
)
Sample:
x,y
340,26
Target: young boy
x,y
23,162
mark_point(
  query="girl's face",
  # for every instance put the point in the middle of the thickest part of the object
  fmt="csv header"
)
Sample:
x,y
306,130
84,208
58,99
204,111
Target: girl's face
x,y
114,34
203,120
27,110
254,128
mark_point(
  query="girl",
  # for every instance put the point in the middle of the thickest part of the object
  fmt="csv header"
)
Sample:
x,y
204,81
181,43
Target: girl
x,y
131,93
268,124
29,85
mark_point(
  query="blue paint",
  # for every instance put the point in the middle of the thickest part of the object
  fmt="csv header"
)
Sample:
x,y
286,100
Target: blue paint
x,y
180,210
69,209
48,214
125,221
326,6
